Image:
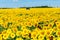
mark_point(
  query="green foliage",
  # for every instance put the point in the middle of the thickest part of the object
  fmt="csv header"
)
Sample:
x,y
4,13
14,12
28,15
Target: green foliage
x,y
45,38
31,28
11,38
9,23
41,24
19,28
1,28
54,25
19,14
54,34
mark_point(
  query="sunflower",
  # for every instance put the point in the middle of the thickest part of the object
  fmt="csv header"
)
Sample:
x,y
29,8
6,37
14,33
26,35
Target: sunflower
x,y
40,37
42,33
19,39
48,32
34,34
12,35
58,33
1,21
0,36
14,29
9,31
18,33
55,29
4,32
58,27
26,31
5,36
58,38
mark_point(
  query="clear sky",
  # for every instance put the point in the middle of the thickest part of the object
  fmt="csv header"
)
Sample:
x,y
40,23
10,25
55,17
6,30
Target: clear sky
x,y
24,3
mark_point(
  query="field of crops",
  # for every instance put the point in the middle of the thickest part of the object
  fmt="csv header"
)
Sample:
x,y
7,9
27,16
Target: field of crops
x,y
33,24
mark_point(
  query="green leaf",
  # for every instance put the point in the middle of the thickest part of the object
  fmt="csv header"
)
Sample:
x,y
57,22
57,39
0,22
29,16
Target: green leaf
x,y
51,20
26,14
31,28
41,22
54,25
27,38
45,38
24,38
1,28
54,34
37,36
19,28
11,38
9,23
19,14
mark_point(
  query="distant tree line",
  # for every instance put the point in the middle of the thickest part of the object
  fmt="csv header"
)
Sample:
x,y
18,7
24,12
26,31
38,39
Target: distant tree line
x,y
38,7
30,7
7,8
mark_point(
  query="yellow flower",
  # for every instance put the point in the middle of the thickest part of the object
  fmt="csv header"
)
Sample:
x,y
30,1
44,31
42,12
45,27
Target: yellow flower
x,y
34,35
29,24
42,33
0,36
50,37
18,33
58,33
12,35
19,39
26,31
4,32
55,29
48,32
23,34
5,25
58,27
5,36
44,28
9,31
37,30
1,21
50,25
58,38
40,37
34,39
57,23
14,29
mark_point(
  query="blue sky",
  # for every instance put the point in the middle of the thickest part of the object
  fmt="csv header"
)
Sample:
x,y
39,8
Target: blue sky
x,y
27,3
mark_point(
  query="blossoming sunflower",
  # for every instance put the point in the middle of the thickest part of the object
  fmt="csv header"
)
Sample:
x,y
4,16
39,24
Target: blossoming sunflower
x,y
12,35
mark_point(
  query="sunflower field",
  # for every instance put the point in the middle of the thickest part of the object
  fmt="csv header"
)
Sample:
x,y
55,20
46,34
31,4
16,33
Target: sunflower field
x,y
32,24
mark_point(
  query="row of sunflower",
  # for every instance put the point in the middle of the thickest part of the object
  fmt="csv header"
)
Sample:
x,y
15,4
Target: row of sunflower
x,y
33,24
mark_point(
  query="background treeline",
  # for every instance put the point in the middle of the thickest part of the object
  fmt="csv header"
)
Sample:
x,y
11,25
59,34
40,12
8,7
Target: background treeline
x,y
30,7
38,7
